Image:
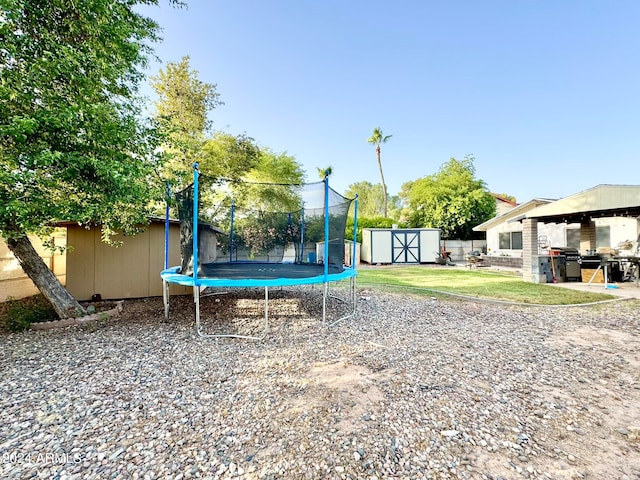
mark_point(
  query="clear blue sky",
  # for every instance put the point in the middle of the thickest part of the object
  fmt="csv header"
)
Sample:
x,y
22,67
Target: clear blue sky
x,y
543,93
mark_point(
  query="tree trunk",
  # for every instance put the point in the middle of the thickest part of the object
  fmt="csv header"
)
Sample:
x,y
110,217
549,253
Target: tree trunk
x,y
62,301
384,185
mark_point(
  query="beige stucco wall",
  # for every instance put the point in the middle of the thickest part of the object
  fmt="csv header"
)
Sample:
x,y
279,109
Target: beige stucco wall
x,y
14,283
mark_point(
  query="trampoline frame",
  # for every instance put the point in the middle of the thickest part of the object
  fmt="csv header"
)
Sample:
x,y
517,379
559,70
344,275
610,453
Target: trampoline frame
x,y
170,275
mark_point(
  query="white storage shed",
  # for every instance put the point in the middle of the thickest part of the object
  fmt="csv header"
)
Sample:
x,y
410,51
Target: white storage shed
x,y
400,245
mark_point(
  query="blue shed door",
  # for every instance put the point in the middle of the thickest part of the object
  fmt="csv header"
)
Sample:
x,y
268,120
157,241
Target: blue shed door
x,y
405,247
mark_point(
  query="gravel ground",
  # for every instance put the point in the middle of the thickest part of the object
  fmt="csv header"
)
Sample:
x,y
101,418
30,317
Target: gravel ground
x,y
414,387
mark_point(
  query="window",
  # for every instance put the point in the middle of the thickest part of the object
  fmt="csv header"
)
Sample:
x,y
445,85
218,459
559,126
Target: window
x,y
510,240
573,238
603,236
516,240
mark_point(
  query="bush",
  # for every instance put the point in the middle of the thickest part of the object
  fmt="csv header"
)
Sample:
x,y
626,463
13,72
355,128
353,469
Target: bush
x,y
20,314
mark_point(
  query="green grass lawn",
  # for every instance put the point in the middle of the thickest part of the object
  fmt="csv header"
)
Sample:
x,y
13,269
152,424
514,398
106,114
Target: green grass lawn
x,y
474,283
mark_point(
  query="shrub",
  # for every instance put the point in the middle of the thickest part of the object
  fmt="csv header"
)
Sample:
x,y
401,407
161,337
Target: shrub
x,y
20,314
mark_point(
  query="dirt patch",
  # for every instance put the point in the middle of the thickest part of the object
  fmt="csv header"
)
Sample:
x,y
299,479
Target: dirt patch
x,y
599,416
353,386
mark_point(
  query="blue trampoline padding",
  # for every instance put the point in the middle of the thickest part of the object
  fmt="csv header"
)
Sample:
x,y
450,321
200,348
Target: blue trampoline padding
x,y
255,274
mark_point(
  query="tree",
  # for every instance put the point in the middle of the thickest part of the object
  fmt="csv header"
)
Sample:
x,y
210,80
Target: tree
x,y
264,198
371,200
376,139
271,183
452,200
229,157
181,113
324,172
72,145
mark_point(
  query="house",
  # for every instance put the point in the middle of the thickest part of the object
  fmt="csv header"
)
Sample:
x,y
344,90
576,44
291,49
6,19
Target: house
x,y
504,231
601,217
503,204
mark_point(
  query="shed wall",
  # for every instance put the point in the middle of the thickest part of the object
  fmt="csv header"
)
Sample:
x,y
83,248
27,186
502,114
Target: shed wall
x,y
377,244
429,245
129,271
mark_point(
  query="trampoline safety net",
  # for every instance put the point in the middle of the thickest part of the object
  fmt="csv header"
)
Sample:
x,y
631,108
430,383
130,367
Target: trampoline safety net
x,y
265,223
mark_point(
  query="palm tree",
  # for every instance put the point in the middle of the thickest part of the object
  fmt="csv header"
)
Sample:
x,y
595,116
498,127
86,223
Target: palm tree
x,y
324,172
376,139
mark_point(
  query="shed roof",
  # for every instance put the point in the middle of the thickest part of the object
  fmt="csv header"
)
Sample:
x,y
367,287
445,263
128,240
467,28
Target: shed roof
x,y
172,221
599,201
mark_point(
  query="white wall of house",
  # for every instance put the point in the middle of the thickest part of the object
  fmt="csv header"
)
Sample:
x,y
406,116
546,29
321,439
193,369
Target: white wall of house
x,y
620,229
554,233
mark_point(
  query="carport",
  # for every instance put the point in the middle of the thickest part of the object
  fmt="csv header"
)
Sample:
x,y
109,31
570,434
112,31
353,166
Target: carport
x,y
582,208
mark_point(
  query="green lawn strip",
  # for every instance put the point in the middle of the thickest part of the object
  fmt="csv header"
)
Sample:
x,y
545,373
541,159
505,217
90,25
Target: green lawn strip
x,y
477,283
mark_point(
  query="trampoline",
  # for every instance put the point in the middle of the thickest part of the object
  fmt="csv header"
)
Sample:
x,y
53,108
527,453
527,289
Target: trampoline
x,y
295,235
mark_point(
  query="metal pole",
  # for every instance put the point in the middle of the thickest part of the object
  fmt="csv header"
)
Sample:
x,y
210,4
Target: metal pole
x,y
165,298
324,302
355,233
166,228
195,223
326,227
233,209
266,311
165,285
302,236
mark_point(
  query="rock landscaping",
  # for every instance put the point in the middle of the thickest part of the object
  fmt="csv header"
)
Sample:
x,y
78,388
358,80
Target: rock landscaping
x,y
414,387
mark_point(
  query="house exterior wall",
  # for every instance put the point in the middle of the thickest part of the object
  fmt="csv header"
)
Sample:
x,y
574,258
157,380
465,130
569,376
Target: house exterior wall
x,y
14,283
554,233
502,207
129,271
621,229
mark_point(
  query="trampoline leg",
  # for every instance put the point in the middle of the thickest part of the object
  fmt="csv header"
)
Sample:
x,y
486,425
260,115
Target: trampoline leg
x,y
232,335
325,291
196,299
354,299
266,312
165,298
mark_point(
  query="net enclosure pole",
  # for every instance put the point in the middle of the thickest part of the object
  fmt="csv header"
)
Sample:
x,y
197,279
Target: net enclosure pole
x,y
196,288
166,228
302,234
233,209
355,233
326,249
326,227
195,223
165,285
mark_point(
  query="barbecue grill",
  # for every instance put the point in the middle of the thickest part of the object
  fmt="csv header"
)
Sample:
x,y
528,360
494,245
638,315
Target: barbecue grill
x,y
568,263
